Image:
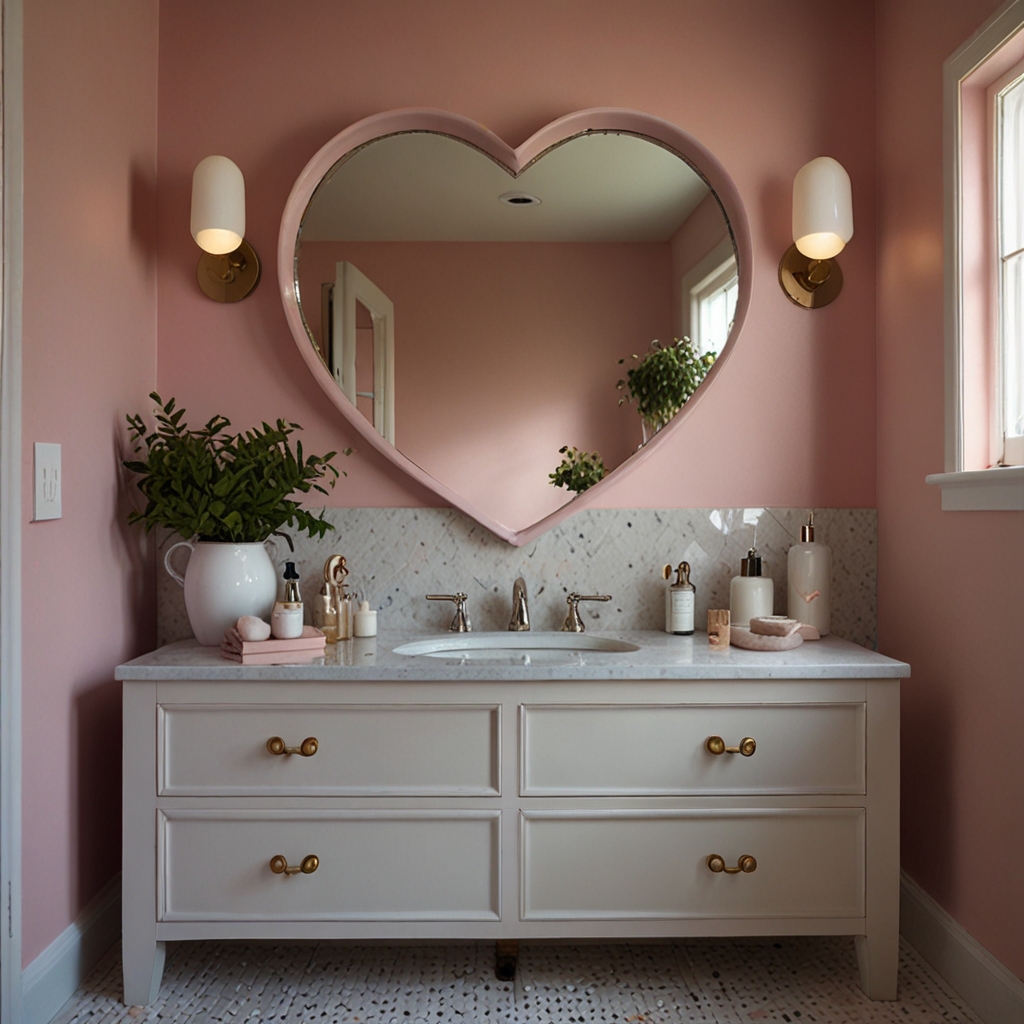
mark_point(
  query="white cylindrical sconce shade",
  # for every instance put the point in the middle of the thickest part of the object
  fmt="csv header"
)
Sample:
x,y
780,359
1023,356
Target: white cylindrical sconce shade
x,y
218,205
822,208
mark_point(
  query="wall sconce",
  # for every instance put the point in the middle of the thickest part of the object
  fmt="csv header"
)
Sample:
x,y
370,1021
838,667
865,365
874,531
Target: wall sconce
x,y
822,225
229,268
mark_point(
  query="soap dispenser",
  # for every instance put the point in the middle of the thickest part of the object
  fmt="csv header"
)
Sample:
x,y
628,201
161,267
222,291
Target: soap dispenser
x,y
810,580
751,595
680,598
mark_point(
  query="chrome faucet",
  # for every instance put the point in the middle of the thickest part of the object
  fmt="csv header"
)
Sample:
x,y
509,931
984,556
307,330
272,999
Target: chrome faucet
x,y
520,621
573,623
461,623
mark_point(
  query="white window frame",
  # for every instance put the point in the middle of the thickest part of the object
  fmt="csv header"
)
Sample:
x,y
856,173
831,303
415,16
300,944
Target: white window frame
x,y
1000,488
1005,451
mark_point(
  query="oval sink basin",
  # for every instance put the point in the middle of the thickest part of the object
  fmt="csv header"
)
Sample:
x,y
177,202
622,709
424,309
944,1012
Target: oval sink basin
x,y
519,648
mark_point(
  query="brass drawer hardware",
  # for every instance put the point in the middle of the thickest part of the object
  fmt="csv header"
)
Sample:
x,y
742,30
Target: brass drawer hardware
x,y
716,863
716,745
309,864
309,746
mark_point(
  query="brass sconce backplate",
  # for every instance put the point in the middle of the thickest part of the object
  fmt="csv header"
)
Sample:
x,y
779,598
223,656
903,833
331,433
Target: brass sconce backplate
x,y
231,277
801,279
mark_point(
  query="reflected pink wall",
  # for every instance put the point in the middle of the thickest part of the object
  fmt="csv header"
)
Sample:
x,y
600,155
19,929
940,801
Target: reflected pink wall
x,y
950,584
506,351
89,356
796,410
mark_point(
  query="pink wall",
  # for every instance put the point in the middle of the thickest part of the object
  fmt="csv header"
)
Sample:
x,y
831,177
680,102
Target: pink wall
x,y
950,584
509,347
796,408
89,347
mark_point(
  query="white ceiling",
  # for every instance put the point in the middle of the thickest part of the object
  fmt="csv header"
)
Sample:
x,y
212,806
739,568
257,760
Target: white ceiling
x,y
423,186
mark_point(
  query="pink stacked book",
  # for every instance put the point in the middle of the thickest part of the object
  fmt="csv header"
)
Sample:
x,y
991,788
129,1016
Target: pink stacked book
x,y
302,649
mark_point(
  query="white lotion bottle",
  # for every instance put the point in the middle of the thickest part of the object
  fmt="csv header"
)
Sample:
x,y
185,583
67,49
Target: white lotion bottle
x,y
680,599
364,621
751,595
810,580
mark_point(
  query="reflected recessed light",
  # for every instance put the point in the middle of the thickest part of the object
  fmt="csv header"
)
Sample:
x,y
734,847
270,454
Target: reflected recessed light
x,y
519,199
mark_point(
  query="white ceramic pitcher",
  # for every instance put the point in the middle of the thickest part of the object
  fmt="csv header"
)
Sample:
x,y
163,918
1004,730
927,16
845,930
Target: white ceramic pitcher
x,y
222,582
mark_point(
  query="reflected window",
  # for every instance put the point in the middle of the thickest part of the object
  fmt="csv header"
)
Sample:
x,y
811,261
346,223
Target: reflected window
x,y
713,307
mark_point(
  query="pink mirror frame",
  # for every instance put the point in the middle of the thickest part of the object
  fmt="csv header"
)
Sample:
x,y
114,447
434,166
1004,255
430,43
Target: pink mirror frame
x,y
596,119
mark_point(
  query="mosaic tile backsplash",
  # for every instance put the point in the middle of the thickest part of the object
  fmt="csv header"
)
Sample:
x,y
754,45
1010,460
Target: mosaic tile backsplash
x,y
398,555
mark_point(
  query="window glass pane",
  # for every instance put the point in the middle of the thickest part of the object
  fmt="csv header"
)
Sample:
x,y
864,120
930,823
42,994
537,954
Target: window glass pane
x,y
715,308
716,315
1011,160
1012,322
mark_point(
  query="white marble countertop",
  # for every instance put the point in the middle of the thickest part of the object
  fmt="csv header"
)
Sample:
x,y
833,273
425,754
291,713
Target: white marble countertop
x,y
661,656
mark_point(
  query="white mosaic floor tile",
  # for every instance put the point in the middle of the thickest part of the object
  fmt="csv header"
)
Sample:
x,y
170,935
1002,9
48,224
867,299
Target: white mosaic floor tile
x,y
794,980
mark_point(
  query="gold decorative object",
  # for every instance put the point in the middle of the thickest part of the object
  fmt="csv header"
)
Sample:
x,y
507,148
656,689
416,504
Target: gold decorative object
x,y
309,864
716,745
718,627
716,863
309,746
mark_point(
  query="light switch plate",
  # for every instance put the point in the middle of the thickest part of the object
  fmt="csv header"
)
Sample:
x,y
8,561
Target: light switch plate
x,y
47,482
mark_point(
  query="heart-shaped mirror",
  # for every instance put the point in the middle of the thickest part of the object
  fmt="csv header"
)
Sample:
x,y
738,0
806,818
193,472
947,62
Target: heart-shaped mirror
x,y
474,310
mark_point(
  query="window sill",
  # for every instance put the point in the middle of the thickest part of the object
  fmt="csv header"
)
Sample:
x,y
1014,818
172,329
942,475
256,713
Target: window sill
x,y
983,490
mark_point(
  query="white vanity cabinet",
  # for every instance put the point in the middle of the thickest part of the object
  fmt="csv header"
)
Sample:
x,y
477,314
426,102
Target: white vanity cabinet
x,y
447,800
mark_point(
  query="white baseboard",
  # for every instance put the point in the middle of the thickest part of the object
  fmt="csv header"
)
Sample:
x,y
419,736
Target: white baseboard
x,y
994,993
51,979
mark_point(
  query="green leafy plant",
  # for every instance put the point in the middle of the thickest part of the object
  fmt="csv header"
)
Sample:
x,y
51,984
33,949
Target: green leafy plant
x,y
215,485
664,379
578,470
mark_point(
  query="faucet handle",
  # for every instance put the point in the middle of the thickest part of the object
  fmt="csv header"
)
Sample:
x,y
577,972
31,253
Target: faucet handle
x,y
461,623
573,623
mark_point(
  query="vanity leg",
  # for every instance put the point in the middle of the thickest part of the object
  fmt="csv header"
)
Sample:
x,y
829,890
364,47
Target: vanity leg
x,y
506,959
143,971
878,959
142,956
878,951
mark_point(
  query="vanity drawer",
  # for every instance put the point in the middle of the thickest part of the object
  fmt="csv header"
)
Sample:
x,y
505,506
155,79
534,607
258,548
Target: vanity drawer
x,y
362,750
659,749
648,864
396,865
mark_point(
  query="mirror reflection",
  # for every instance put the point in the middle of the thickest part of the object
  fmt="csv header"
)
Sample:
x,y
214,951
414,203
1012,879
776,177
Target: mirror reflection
x,y
482,322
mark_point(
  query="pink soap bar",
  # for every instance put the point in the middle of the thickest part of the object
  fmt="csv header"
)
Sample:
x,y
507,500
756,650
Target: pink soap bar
x,y
774,625
740,637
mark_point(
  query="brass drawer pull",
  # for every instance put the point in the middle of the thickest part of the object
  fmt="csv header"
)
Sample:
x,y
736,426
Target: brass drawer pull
x,y
308,748
716,863
280,866
716,745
